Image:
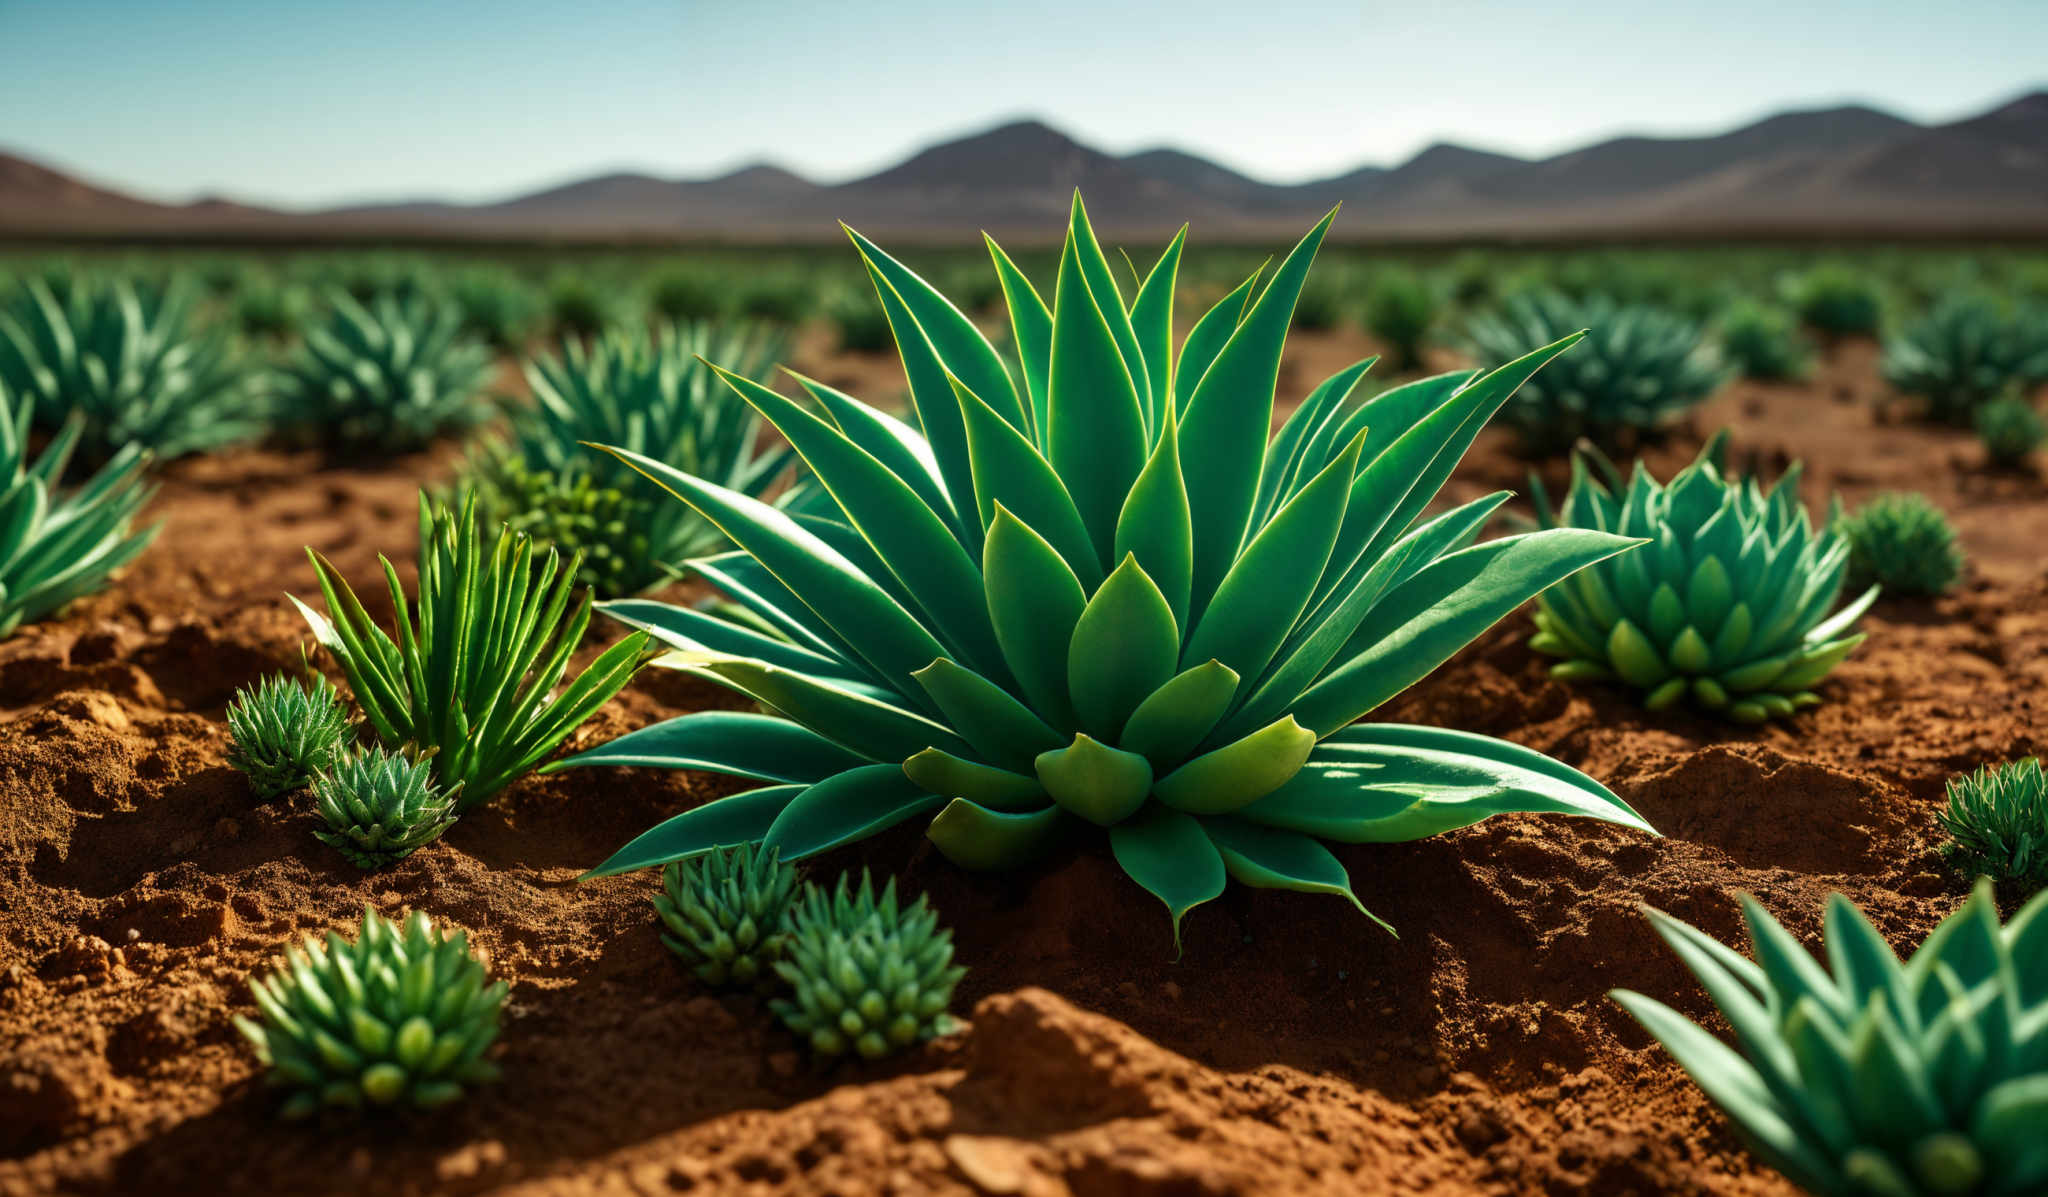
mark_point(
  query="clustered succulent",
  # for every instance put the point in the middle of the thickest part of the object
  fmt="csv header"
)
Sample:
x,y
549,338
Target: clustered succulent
x,y
1100,602
1902,542
727,915
1730,605
1637,368
1997,823
388,375
284,732
1762,342
400,1017
380,806
2011,431
867,975
1962,355
1872,1078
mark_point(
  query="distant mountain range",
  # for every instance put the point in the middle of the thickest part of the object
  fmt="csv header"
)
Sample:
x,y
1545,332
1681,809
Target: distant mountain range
x,y
1849,171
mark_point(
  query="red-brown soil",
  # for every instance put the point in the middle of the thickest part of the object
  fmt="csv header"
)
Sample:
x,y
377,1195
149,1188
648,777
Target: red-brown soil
x,y
1293,1048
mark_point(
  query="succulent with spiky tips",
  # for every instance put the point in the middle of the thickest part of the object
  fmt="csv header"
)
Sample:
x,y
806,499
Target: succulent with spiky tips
x,y
381,807
1962,355
1902,542
386,376
401,1017
1997,823
868,975
1730,607
284,732
1871,1077
727,913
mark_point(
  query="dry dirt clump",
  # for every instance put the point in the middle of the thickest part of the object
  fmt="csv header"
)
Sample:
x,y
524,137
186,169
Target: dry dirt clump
x,y
1293,1048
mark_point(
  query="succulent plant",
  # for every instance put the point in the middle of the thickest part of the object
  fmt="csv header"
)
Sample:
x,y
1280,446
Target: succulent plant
x,y
1762,342
497,306
867,975
863,326
284,732
1731,605
687,295
653,394
727,914
401,1017
470,676
1837,300
1872,1078
381,807
784,299
1400,309
1997,823
2011,431
1902,542
1964,354
1099,602
387,376
1637,368
122,359
579,309
56,546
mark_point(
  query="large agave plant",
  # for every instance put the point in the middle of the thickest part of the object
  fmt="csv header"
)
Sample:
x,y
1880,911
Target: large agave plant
x,y
1094,597
386,376
123,360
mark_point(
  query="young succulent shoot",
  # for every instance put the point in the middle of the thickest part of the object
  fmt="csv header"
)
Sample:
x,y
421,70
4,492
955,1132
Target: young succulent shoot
x,y
1637,369
399,1018
283,732
380,807
1997,824
469,679
1902,542
1090,598
1729,607
386,376
867,975
56,545
2011,430
727,915
1872,1078
1962,355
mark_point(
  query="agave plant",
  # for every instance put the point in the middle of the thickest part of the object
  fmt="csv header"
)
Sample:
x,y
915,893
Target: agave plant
x,y
1093,597
1963,355
54,546
651,394
1837,300
1400,309
1732,607
1873,1078
1638,368
2010,430
1762,342
727,915
867,975
1903,542
387,376
380,807
283,732
123,361
1997,823
471,673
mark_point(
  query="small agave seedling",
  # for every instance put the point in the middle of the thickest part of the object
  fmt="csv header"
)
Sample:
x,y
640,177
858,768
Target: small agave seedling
x,y
400,1017
469,678
1091,598
1872,1078
1732,605
2011,430
1902,542
1762,342
54,546
1997,823
727,914
385,377
284,732
380,807
868,975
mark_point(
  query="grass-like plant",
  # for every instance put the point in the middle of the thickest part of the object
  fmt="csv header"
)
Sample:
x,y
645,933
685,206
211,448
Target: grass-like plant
x,y
1093,598
1963,355
1763,342
1401,309
470,676
868,975
1902,542
727,915
399,1018
283,732
58,545
1872,1078
1997,823
1637,368
2010,430
1731,605
387,376
380,806
125,361
1837,300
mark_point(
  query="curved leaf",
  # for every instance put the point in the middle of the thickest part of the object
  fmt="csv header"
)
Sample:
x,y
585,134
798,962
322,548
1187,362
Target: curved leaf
x,y
1268,858
1169,854
848,807
986,715
721,823
1034,601
1125,646
1239,773
975,837
736,743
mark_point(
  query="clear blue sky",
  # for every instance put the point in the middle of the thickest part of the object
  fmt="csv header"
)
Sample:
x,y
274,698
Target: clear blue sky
x,y
313,103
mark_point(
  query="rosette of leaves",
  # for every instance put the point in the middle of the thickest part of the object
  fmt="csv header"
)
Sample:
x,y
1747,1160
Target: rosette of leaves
x,y
2011,430
1637,368
1731,606
867,975
469,678
1997,823
650,393
1837,300
1869,1077
1902,542
727,915
400,1018
284,732
1962,355
124,361
380,807
384,376
1762,342
1092,598
58,545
